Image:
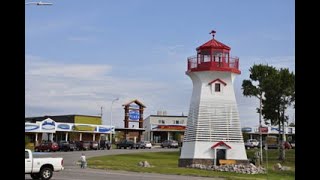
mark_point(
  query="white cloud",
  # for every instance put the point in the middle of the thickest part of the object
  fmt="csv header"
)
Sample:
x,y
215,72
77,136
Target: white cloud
x,y
82,89
35,66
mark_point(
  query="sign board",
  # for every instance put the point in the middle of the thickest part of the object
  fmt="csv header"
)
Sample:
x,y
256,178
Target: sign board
x,y
134,115
48,125
31,127
246,129
263,129
169,127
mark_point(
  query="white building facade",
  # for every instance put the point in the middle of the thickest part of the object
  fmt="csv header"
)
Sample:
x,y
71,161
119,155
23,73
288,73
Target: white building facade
x,y
164,127
213,127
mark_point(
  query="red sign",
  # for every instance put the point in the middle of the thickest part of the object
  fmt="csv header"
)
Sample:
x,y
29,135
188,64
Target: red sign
x,y
263,129
171,127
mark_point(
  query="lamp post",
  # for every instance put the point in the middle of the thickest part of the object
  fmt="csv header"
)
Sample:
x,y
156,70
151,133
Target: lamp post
x,y
111,122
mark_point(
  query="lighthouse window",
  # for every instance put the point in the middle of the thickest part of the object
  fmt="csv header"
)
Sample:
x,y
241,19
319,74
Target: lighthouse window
x,y
217,87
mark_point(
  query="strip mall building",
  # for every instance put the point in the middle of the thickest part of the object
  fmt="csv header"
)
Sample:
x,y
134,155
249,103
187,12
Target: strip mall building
x,y
66,127
156,129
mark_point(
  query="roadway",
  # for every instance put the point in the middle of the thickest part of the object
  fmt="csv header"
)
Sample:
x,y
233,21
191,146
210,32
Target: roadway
x,y
73,172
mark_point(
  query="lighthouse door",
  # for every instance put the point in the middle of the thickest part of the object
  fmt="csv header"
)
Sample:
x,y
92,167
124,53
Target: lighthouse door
x,y
221,154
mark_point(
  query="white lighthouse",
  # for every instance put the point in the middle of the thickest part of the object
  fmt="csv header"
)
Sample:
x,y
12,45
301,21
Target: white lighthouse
x,y
213,128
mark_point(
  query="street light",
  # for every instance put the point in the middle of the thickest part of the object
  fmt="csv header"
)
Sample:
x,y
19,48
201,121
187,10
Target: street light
x,y
111,122
40,3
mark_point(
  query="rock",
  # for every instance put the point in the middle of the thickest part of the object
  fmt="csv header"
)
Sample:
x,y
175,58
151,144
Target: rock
x,y
277,167
285,168
140,164
144,164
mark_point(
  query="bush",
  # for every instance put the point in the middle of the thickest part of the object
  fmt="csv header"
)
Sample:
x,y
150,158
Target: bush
x,y
26,141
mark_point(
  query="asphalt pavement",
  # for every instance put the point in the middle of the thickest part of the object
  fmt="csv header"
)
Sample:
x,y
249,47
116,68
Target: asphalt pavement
x,y
72,171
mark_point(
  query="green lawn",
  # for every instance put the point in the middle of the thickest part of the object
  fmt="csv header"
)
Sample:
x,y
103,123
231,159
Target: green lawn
x,y
167,163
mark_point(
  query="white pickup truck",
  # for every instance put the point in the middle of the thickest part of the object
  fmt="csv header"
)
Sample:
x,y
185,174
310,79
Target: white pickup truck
x,y
41,168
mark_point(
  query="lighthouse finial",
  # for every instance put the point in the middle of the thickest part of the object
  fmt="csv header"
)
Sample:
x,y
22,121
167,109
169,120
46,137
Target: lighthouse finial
x,y
213,32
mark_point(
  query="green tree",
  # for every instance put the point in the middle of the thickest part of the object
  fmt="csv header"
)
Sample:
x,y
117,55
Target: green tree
x,y
279,95
119,135
254,87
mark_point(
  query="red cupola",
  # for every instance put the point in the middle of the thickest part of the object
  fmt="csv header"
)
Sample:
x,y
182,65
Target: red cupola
x,y
213,56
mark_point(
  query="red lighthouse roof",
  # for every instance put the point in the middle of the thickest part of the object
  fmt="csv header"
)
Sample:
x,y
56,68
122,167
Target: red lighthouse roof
x,y
213,44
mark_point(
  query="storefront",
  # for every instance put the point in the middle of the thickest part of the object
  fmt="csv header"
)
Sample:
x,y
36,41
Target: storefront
x,y
165,127
253,132
50,130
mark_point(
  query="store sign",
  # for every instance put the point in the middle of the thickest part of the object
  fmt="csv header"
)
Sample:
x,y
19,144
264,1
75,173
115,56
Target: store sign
x,y
263,129
275,130
169,127
246,129
84,128
134,115
48,125
31,127
104,129
63,126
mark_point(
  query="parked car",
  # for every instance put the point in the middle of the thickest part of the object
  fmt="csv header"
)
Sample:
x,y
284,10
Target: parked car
x,y
104,144
144,144
64,146
47,146
83,145
94,145
126,144
72,146
170,144
41,168
251,143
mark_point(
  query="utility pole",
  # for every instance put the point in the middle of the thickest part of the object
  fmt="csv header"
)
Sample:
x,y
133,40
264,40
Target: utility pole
x,y
111,122
260,111
101,111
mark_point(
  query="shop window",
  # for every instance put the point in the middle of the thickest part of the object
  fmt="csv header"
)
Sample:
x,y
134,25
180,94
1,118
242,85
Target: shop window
x,y
175,121
160,121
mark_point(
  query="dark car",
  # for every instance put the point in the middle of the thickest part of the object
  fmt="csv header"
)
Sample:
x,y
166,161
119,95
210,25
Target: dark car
x,y
104,144
170,144
126,144
72,146
83,145
64,146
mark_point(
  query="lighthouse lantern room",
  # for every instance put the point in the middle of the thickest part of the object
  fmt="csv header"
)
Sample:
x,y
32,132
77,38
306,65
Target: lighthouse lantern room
x,y
213,128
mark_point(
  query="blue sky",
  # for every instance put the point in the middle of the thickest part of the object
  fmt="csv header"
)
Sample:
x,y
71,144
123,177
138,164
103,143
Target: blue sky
x,y
80,55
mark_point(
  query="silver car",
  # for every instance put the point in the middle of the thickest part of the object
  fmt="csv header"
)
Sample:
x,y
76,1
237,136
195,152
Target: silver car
x,y
169,144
